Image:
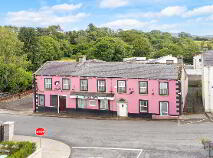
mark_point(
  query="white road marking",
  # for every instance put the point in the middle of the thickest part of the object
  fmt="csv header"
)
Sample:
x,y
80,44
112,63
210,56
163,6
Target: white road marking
x,y
104,148
140,153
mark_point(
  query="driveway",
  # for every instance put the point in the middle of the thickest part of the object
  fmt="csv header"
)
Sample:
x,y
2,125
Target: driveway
x,y
111,138
25,104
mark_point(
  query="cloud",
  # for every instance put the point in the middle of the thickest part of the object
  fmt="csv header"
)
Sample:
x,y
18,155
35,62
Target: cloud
x,y
45,16
200,11
66,7
166,12
113,3
173,11
126,24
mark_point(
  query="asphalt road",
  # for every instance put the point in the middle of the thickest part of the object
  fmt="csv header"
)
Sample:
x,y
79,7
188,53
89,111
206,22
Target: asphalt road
x,y
158,139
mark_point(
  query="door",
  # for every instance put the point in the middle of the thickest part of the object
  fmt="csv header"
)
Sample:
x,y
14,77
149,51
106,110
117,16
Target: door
x,y
62,103
123,109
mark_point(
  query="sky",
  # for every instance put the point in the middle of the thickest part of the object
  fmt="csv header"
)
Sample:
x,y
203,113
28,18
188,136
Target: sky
x,y
191,16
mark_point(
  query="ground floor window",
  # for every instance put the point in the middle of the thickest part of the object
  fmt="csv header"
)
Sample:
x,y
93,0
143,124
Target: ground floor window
x,y
41,98
143,106
104,105
54,100
164,108
92,103
82,103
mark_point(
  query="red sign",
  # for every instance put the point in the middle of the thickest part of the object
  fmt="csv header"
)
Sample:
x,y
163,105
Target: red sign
x,y
39,131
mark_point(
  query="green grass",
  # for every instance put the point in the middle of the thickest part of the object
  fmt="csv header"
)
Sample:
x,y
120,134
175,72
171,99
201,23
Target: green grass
x,y
17,149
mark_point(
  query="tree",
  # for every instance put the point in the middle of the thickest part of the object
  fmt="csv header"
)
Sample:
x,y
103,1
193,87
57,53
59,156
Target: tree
x,y
141,47
48,50
13,65
110,49
29,37
9,44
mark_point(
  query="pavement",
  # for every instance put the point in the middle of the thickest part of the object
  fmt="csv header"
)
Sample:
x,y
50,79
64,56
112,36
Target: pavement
x,y
210,116
50,148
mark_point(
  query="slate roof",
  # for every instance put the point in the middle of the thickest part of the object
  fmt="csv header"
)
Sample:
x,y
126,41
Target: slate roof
x,y
109,69
208,58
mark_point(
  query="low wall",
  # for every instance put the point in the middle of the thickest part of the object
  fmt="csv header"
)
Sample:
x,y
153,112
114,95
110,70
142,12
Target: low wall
x,y
36,154
16,96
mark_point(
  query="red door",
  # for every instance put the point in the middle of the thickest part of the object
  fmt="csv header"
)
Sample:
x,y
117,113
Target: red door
x,y
62,103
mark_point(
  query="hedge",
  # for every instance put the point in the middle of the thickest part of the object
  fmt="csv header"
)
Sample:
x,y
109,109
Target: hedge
x,y
17,149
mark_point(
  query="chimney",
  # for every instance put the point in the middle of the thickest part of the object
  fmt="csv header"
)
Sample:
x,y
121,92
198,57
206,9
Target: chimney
x,y
180,60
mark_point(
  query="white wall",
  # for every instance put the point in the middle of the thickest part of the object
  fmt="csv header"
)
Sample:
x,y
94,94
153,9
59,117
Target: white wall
x,y
197,62
165,58
207,88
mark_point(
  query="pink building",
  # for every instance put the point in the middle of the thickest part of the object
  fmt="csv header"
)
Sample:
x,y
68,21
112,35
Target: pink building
x,y
117,88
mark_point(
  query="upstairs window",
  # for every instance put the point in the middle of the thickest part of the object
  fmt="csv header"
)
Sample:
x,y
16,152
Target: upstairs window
x,y
144,106
66,84
84,85
121,86
143,87
164,89
48,83
101,86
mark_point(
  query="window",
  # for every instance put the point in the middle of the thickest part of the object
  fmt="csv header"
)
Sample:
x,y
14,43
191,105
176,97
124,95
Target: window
x,y
66,84
143,87
164,88
54,100
144,106
104,105
121,87
92,102
82,103
101,86
164,108
41,100
169,61
84,85
48,83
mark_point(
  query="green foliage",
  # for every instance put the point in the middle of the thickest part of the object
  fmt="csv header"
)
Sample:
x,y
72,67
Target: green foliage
x,y
110,49
23,50
18,149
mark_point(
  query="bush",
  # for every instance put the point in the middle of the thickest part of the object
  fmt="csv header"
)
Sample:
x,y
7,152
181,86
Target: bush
x,y
17,149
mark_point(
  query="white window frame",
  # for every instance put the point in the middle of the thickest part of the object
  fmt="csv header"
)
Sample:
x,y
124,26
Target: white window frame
x,y
164,91
141,88
104,104
66,84
121,84
83,103
145,106
161,112
101,84
82,86
48,83
39,95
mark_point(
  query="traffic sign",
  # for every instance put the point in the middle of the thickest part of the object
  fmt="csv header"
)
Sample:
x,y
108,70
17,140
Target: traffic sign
x,y
40,131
